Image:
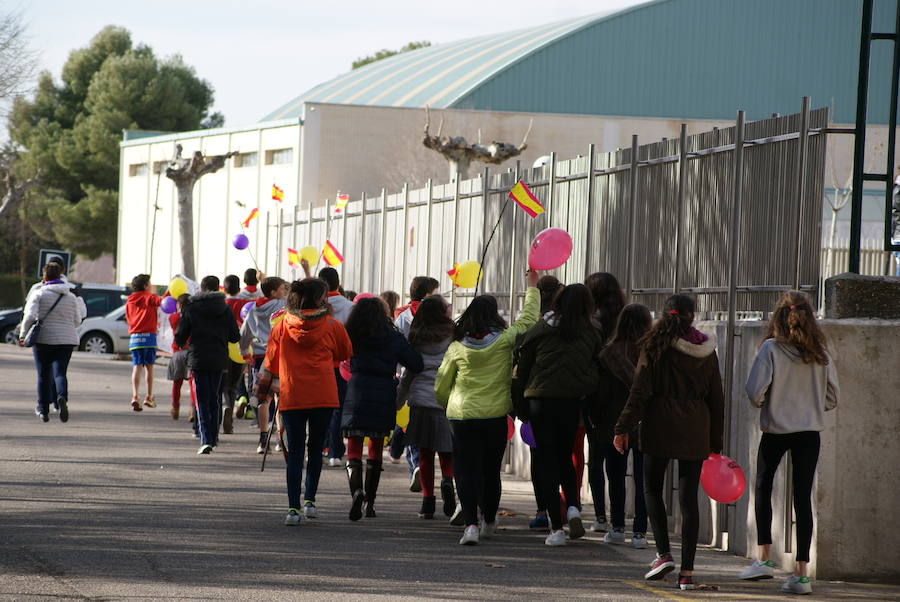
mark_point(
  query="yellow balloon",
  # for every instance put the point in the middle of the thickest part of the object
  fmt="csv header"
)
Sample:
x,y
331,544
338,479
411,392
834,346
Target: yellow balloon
x,y
234,353
403,417
177,287
310,254
468,274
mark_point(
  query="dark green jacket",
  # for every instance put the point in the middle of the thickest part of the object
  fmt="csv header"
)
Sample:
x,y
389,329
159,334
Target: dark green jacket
x,y
554,368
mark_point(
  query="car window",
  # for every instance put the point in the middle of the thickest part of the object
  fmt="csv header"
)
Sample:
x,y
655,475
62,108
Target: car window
x,y
97,303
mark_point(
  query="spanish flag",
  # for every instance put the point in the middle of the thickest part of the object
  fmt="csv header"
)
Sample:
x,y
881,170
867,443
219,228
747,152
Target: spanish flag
x,y
277,193
293,257
341,202
453,273
253,215
525,199
331,255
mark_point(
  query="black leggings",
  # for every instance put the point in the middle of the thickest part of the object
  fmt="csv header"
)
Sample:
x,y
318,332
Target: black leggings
x,y
688,482
804,448
478,448
555,423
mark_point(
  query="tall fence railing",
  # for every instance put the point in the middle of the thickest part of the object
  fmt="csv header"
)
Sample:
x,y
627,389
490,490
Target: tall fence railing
x,y
662,217
873,259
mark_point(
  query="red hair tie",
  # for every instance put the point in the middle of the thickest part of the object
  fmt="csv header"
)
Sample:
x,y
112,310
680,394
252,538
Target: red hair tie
x,y
674,312
793,307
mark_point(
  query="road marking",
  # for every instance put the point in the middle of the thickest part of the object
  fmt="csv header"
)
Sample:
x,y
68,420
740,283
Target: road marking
x,y
653,590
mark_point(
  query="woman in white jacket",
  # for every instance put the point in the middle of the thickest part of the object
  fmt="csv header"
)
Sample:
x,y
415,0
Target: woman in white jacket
x,y
794,382
59,313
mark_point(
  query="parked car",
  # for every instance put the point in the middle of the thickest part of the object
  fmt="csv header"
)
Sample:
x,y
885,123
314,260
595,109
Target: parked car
x,y
105,334
99,299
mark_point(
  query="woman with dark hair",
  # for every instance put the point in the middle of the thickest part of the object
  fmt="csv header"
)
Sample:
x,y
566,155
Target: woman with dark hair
x,y
370,409
617,364
608,303
301,352
677,399
392,299
473,383
558,364
794,382
430,333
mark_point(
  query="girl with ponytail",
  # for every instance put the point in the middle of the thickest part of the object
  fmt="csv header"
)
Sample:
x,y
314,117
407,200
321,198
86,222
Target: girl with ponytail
x,y
677,400
302,350
794,382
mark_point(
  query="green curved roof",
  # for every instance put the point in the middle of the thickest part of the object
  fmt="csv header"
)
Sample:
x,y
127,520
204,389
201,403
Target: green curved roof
x,y
680,59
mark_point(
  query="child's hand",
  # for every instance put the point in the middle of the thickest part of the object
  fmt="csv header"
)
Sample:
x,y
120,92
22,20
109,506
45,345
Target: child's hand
x,y
531,276
620,442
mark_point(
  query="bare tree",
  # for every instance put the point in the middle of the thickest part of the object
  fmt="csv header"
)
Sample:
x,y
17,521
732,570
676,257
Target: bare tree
x,y
185,173
15,192
17,61
459,153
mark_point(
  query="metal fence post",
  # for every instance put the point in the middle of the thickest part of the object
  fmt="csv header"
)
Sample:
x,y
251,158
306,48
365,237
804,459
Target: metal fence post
x,y
485,225
588,238
428,230
404,243
382,251
278,240
362,245
551,191
632,207
309,212
733,246
512,255
679,201
801,184
455,239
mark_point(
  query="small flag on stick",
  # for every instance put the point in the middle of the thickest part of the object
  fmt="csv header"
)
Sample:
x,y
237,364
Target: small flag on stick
x,y
293,258
525,199
331,255
253,215
453,273
341,202
277,193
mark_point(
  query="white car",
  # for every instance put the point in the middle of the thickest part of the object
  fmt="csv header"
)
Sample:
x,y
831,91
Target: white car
x,y
105,334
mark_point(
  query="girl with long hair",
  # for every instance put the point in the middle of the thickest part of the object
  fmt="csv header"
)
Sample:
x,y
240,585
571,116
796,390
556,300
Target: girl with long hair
x,y
609,299
793,381
301,352
473,383
558,364
370,408
617,365
430,333
677,398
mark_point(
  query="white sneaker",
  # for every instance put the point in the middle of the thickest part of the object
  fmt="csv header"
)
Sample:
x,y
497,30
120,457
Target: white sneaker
x,y
486,530
556,538
470,536
309,510
638,541
573,517
293,518
599,525
616,535
204,450
335,462
759,570
457,519
414,485
797,585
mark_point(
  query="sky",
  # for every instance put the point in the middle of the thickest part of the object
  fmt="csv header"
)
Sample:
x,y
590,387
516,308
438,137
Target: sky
x,y
259,55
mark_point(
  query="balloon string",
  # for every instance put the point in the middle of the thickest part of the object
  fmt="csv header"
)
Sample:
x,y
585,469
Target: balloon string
x,y
252,258
490,238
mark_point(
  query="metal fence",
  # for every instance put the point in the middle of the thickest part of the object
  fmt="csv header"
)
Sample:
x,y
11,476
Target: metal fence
x,y
873,261
660,216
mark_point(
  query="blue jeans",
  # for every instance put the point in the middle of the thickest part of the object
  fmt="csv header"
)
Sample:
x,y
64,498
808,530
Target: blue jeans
x,y
335,437
209,407
295,426
51,363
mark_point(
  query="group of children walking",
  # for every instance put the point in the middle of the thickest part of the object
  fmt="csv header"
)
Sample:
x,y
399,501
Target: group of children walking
x,y
577,361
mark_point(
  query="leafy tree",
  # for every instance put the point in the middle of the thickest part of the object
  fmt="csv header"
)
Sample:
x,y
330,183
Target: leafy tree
x,y
385,53
71,131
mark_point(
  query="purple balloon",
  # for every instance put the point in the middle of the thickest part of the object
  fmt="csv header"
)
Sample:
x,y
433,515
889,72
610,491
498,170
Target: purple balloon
x,y
169,305
240,242
246,309
527,435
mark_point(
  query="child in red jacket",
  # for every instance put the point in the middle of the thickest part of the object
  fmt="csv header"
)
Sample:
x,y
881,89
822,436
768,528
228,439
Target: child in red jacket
x,y
140,313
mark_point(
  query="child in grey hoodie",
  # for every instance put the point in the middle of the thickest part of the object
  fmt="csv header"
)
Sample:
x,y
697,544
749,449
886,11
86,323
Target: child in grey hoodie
x,y
794,382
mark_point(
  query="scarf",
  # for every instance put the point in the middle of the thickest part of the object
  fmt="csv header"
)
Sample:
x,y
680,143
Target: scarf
x,y
695,336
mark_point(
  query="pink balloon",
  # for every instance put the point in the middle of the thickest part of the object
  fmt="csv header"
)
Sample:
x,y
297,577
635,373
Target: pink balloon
x,y
510,427
169,305
246,309
550,249
345,370
722,478
527,435
360,296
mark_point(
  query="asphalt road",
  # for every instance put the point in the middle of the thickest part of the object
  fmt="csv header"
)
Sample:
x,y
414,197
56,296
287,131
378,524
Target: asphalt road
x,y
116,505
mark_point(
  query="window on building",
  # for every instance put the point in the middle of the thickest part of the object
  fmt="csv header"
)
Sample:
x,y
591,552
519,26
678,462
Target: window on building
x,y
246,160
279,156
137,169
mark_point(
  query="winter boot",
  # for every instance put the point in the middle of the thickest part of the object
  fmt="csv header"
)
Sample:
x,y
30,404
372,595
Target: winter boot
x,y
355,479
448,495
373,475
228,421
427,510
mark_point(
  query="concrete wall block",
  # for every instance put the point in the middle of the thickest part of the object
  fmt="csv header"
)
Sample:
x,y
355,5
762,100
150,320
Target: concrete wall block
x,y
855,296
